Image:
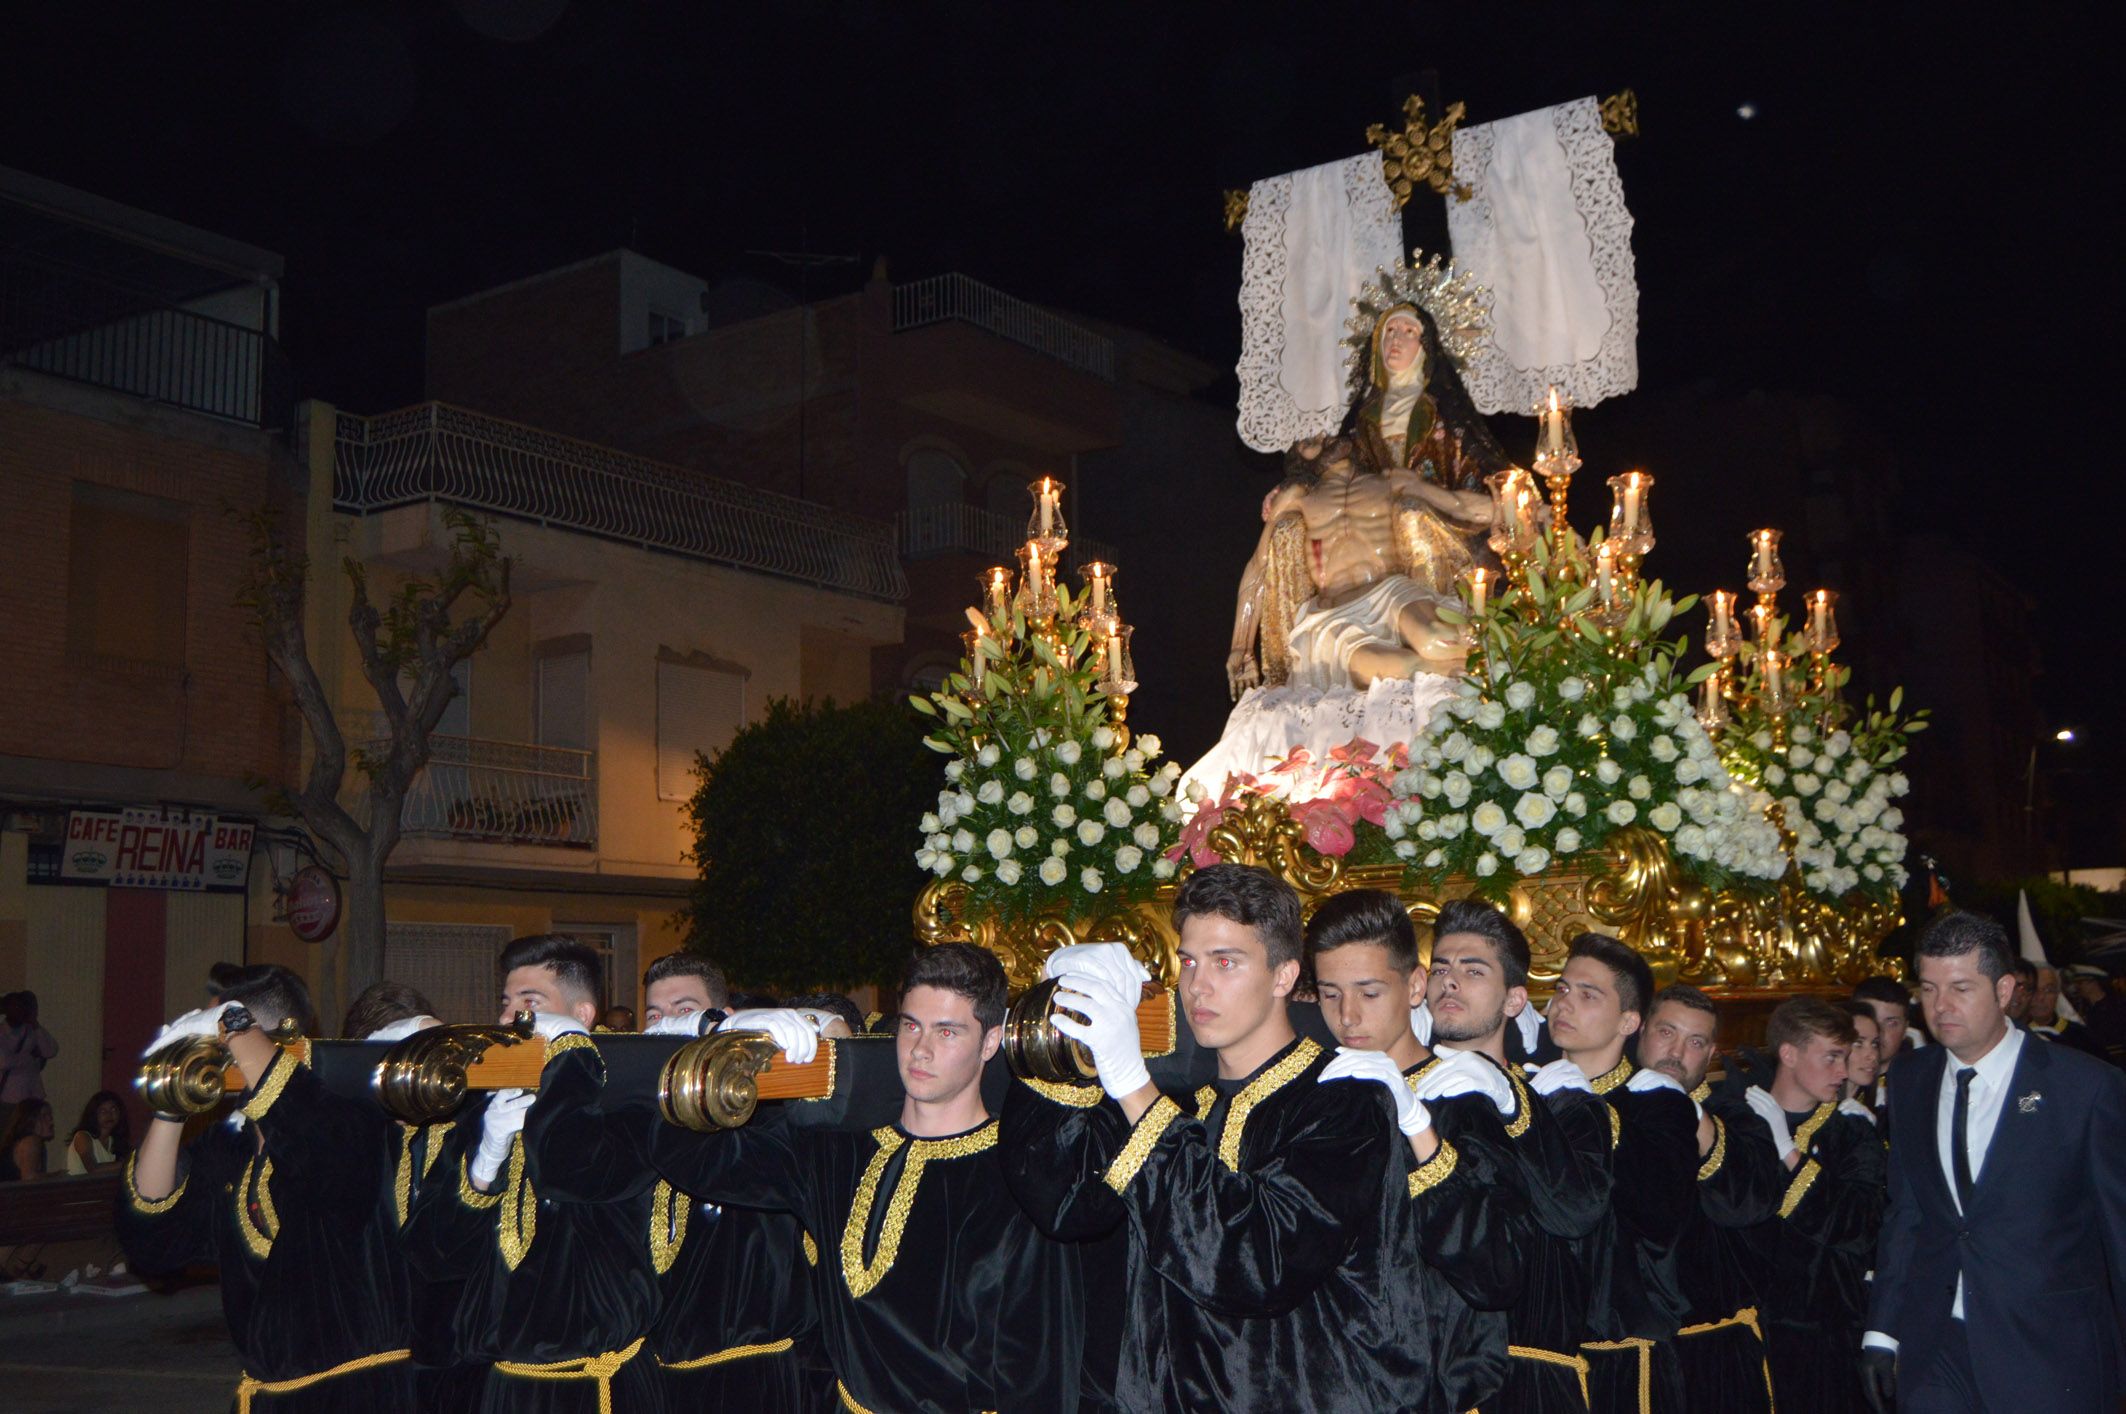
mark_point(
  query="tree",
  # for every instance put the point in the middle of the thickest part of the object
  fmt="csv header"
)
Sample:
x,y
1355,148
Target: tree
x,y
801,832
410,646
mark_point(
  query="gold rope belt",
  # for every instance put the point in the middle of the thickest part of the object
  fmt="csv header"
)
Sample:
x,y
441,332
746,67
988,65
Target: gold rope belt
x,y
248,1385
601,1368
736,1352
1574,1363
1645,1348
1747,1316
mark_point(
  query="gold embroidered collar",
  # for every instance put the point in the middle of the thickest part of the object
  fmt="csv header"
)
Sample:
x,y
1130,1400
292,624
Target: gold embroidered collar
x,y
859,1275
1610,1079
1704,1091
1266,1082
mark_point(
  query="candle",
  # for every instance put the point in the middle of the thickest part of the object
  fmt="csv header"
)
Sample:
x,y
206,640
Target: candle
x,y
1114,657
1033,566
1712,705
1098,574
1479,589
1554,425
1723,615
999,589
1774,677
1634,488
1761,620
981,627
1605,564
1765,565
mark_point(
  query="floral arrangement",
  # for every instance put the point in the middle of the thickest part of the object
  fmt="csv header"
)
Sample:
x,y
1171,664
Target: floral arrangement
x,y
1047,803
1332,798
1570,727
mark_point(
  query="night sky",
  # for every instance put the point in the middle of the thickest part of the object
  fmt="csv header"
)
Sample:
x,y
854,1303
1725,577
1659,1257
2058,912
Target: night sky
x,y
1912,220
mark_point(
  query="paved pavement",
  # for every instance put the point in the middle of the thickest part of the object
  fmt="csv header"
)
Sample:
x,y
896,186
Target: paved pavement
x,y
62,1354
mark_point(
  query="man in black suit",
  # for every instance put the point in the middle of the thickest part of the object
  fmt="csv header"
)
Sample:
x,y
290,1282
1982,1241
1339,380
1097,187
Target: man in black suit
x,y
1996,1287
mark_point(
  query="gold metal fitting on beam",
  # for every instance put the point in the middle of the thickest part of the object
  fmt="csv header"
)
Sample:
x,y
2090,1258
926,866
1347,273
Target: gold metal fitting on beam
x,y
1034,1049
190,1076
422,1079
712,1083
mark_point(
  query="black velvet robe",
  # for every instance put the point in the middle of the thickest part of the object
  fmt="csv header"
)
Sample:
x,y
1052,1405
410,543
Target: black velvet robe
x,y
1739,1186
447,1379
311,1275
739,1328
1260,1270
1561,1147
1820,1247
1654,1173
935,1293
556,1261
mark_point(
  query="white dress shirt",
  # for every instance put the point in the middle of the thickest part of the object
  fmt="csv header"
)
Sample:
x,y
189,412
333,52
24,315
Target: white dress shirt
x,y
1989,1091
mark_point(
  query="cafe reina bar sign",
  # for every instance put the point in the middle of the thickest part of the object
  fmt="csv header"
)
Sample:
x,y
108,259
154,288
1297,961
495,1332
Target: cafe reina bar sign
x,y
150,848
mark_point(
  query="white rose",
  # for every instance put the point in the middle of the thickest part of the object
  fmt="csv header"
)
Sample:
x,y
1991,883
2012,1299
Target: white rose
x,y
1138,796
1068,752
1455,747
1608,772
1623,728
1807,783
972,874
1024,768
1162,868
924,858
1690,840
1665,817
1837,792
942,865
1480,758
928,824
1428,829
1543,741
1531,861
1059,847
1510,841
1663,748
1148,744
955,769
1575,805
1096,789
1557,780
1146,835
1640,788
1116,812
1487,864
1091,879
1572,689
989,755
1590,726
1568,840
962,841
1064,816
999,843
1091,832
1534,811
1134,760
1622,812
1008,872
1456,789
1800,757
1435,859
1518,771
1688,771
1054,872
1127,859
1026,837
1520,696
1451,826
990,793
948,813
1058,784
1103,738
1487,819
1490,716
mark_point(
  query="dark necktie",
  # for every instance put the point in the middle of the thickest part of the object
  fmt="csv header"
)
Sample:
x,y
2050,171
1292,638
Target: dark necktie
x,y
1960,1138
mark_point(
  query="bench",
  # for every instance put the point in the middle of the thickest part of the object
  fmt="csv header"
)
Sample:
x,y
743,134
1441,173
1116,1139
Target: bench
x,y
49,1210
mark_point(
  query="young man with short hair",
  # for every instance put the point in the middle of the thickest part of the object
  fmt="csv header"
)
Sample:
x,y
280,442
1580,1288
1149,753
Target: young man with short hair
x,y
285,1196
934,1290
542,1208
1560,1142
1602,998
1257,1255
1821,1244
683,983
1469,1230
1892,1005
1720,1345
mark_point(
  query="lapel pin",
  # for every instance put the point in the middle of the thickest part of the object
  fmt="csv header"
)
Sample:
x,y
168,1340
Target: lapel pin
x,y
2028,1103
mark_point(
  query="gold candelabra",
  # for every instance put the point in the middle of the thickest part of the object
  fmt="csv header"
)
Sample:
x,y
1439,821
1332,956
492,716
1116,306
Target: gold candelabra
x,y
1755,672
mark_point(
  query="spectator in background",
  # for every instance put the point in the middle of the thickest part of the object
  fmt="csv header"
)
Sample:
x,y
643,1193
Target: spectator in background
x,y
102,1139
1892,1004
618,1018
25,1047
2024,971
2103,1010
22,1147
831,1007
2047,1021
1863,1063
379,1005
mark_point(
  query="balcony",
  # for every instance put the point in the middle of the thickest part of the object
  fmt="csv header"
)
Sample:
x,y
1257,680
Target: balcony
x,y
955,528
503,792
69,323
942,297
435,452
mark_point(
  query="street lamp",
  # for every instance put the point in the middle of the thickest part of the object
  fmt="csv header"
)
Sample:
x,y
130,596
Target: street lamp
x,y
2064,734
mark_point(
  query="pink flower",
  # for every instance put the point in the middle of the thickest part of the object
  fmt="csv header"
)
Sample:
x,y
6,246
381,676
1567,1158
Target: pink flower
x,y
1195,835
1362,798
1327,830
1355,752
1299,760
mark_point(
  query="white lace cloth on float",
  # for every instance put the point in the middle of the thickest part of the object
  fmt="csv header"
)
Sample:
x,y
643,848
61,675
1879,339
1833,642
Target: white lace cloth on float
x,y
1313,238
1269,723
1547,231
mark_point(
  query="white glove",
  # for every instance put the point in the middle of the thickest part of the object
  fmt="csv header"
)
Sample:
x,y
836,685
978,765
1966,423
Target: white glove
x,y
553,1025
786,1028
204,1022
1411,1116
1109,961
1856,1109
1108,1028
399,1030
503,1123
1650,1079
677,1024
1420,1024
1530,1022
1560,1074
1761,1101
1467,1073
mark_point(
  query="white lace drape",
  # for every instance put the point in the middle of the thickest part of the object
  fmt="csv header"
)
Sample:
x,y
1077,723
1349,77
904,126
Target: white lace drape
x,y
1547,231
1313,239
1270,723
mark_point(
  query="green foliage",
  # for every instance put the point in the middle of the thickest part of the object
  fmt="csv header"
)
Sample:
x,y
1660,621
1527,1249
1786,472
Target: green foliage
x,y
2055,908
798,828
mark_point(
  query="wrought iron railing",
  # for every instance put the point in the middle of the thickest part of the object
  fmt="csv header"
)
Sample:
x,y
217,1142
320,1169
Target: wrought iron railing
x,y
955,528
72,324
435,452
942,297
512,792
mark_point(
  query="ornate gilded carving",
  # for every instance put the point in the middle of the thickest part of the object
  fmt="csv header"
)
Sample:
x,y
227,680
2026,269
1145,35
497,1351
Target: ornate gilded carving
x,y
1236,210
942,916
1422,153
422,1079
1620,114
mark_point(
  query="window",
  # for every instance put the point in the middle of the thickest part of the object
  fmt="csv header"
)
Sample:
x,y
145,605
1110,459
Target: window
x,y
127,575
451,964
934,479
665,328
564,697
699,709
